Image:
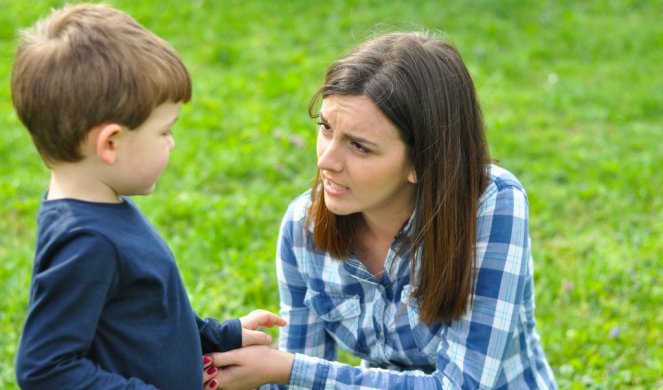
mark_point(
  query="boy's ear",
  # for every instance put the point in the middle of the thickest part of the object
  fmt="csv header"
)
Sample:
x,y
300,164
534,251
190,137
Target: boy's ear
x,y
106,141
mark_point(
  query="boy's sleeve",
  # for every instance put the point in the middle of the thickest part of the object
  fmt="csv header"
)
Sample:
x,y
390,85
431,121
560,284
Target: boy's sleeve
x,y
218,336
69,289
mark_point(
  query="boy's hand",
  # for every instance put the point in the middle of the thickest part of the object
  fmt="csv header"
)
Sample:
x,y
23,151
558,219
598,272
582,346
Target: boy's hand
x,y
254,320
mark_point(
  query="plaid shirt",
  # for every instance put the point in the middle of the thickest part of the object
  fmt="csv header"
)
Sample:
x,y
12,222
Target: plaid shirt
x,y
330,303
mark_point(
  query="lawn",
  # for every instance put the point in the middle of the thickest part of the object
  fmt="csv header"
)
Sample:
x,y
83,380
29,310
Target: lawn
x,y
572,94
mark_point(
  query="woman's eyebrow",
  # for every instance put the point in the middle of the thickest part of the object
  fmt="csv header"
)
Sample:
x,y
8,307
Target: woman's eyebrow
x,y
349,134
362,140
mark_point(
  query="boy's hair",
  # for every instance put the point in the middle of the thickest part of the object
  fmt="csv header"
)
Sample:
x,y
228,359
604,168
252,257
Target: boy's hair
x,y
86,65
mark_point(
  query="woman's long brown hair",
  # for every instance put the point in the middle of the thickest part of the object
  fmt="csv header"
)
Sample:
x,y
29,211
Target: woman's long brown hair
x,y
422,85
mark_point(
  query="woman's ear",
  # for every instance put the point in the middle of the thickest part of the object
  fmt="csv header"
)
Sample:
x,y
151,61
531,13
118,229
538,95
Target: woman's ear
x,y
106,141
412,176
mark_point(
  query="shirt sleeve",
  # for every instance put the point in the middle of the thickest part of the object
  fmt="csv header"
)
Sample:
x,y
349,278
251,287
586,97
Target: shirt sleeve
x,y
305,331
218,336
69,290
475,346
472,348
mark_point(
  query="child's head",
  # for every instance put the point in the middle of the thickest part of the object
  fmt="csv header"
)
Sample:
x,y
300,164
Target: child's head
x,y
86,65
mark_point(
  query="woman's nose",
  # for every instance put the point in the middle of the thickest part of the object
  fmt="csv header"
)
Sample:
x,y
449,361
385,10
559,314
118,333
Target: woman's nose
x,y
329,155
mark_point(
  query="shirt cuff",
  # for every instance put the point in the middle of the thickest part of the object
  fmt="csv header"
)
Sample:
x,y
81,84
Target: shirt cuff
x,y
218,336
308,372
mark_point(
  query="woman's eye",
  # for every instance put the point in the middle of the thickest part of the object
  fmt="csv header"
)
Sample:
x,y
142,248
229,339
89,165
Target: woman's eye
x,y
324,127
359,147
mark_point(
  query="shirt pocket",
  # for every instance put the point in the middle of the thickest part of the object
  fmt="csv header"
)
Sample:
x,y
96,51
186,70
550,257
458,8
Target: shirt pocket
x,y
340,314
427,337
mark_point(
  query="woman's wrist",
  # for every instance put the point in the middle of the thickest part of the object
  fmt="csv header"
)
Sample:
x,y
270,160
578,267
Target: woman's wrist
x,y
281,364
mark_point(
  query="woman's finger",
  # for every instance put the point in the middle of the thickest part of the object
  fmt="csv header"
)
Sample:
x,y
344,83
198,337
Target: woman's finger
x,y
222,359
209,373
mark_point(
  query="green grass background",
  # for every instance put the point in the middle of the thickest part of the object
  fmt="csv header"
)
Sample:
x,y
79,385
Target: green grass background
x,y
573,98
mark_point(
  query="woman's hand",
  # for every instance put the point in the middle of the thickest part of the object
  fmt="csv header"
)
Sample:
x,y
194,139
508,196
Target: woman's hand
x,y
209,372
247,368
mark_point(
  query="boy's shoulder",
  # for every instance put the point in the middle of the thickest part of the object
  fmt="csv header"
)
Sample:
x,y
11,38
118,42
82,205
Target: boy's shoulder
x,y
72,216
113,231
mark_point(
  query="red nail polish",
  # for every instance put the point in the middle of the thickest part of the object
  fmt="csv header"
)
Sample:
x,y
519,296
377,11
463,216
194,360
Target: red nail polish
x,y
211,370
206,360
213,383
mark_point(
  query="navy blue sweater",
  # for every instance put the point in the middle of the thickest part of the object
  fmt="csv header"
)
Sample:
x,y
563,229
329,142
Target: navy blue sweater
x,y
108,308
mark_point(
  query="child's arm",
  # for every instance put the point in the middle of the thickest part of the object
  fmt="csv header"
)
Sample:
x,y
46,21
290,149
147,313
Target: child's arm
x,y
219,336
224,336
249,335
69,289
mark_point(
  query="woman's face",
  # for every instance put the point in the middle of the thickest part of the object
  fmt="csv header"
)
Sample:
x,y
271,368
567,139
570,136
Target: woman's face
x,y
362,159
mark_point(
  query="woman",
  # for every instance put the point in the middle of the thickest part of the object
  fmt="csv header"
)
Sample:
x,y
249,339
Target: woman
x,y
411,250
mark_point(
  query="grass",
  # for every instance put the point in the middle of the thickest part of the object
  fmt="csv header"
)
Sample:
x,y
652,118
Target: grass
x,y
572,95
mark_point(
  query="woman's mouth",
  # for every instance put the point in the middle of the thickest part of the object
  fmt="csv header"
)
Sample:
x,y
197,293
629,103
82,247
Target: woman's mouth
x,y
333,188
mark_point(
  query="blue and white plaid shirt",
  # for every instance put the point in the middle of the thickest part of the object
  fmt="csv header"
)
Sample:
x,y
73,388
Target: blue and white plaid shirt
x,y
330,303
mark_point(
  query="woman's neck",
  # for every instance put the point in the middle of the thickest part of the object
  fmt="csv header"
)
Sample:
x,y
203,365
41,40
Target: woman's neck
x,y
374,238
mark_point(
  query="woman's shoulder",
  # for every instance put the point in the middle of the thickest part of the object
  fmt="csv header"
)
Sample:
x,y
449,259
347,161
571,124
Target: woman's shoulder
x,y
502,178
503,188
499,180
293,222
298,206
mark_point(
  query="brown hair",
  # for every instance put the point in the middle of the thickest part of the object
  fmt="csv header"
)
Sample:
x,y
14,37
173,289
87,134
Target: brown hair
x,y
85,65
422,85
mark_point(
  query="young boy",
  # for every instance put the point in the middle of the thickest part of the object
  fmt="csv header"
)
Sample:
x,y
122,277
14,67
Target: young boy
x,y
108,309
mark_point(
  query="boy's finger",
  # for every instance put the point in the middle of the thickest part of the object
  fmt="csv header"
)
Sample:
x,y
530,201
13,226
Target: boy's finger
x,y
254,337
273,319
